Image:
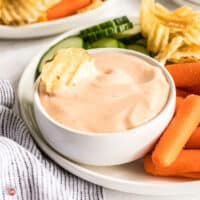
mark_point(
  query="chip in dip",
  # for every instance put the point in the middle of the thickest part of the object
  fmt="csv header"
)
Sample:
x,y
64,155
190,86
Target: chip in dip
x,y
125,93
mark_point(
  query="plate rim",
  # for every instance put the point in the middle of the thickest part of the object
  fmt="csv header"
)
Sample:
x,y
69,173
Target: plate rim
x,y
47,24
88,174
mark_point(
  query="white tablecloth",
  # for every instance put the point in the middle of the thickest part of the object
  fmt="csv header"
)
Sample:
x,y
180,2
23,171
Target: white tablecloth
x,y
16,54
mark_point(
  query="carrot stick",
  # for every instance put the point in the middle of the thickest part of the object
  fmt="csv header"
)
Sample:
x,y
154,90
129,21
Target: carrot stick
x,y
185,74
181,93
65,8
194,141
179,101
188,162
178,132
152,169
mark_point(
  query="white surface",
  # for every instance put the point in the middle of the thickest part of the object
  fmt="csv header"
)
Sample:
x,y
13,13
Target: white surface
x,y
55,26
127,178
15,55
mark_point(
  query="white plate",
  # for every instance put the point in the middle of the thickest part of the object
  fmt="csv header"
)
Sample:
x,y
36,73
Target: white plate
x,y
56,26
127,178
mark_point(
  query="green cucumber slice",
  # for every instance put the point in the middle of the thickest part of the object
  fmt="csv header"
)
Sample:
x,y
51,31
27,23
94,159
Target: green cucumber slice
x,y
106,29
139,48
132,39
130,32
105,43
66,43
111,23
108,32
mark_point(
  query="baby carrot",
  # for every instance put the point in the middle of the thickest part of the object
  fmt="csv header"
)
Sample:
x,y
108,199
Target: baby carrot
x,y
65,8
178,132
152,169
179,101
194,141
185,74
188,162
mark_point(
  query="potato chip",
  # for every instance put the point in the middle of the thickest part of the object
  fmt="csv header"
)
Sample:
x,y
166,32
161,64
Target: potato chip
x,y
171,48
179,17
158,38
182,11
170,31
175,30
20,12
186,54
192,35
67,68
146,16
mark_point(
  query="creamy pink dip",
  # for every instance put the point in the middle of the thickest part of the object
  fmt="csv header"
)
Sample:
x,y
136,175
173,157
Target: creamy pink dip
x,y
127,93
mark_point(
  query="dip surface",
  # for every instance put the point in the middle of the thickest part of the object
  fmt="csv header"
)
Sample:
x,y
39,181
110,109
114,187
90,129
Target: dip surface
x,y
126,93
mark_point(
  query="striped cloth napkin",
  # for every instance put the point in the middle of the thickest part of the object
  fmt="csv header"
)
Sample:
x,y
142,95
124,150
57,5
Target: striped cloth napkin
x,y
25,172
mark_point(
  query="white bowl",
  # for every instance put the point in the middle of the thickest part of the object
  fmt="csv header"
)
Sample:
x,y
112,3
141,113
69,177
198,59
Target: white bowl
x,y
56,26
106,149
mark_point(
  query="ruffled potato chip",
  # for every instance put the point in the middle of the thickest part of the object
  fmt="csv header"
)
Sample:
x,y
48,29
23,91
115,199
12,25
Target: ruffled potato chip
x,y
192,35
147,17
168,31
183,11
69,66
170,49
158,38
186,54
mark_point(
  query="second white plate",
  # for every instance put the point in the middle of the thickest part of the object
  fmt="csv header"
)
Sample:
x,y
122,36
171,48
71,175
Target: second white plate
x,y
56,26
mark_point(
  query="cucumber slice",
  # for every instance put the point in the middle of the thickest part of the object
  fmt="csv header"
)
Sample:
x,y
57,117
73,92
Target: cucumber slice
x,y
107,32
111,23
139,48
129,33
121,45
132,39
106,29
105,43
66,43
121,20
